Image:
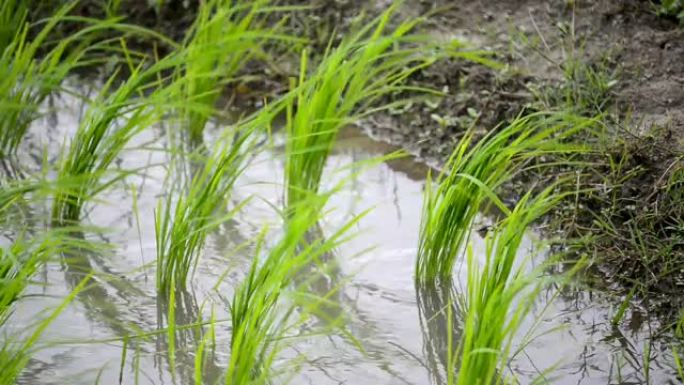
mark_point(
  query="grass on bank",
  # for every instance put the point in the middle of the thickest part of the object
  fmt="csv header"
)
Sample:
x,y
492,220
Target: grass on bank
x,y
472,176
671,8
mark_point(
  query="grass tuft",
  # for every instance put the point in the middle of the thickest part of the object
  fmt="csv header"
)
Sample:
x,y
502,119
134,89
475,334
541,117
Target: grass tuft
x,y
183,219
350,81
500,294
259,318
470,179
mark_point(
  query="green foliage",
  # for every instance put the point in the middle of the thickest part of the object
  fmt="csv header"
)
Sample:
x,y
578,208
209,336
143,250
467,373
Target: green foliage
x,y
259,317
471,178
195,207
500,295
112,119
674,8
350,81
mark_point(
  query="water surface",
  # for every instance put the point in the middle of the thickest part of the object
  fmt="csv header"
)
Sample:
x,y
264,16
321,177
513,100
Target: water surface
x,y
402,330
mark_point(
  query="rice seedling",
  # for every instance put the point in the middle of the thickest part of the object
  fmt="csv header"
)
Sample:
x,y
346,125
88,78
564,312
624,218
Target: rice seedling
x,y
184,340
500,294
32,68
112,119
259,319
183,219
19,261
16,268
12,14
225,36
471,177
350,81
26,252
15,354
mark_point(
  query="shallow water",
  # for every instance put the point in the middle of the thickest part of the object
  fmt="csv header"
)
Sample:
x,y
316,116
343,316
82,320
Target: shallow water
x,y
402,330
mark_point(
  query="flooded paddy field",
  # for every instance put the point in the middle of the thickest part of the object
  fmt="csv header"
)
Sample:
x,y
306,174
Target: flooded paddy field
x,y
341,192
368,282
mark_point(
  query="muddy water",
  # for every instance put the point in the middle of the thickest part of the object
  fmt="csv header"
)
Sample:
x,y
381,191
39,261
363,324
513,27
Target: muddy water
x,y
369,284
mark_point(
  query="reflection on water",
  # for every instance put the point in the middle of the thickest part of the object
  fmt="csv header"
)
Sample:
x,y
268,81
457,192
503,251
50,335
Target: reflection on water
x,y
441,318
367,284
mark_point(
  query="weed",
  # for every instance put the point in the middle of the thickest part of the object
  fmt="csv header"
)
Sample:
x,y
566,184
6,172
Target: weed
x,y
671,8
634,215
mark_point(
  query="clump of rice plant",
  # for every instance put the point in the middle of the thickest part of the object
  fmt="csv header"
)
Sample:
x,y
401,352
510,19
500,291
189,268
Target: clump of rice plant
x,y
15,354
112,119
225,36
32,68
259,318
350,81
184,217
470,179
499,295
